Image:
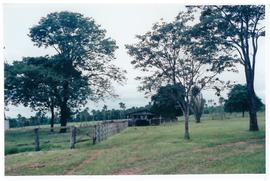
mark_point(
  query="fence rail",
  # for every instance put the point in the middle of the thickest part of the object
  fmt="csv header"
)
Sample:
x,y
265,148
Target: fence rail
x,y
93,133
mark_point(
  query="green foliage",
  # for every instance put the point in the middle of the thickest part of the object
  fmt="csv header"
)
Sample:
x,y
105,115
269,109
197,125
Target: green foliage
x,y
85,53
29,82
174,53
122,105
238,100
82,45
235,29
37,82
81,69
84,115
164,102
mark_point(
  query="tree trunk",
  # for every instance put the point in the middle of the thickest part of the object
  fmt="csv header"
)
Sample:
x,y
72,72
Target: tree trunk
x,y
52,118
243,114
198,118
64,115
253,124
64,110
186,136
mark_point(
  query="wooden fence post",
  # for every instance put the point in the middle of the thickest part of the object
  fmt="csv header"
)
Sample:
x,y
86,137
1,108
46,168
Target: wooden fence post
x,y
95,134
73,137
106,130
98,133
109,129
37,147
101,132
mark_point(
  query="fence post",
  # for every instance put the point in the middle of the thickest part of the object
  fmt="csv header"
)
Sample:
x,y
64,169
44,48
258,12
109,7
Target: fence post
x,y
106,130
118,127
37,148
73,137
101,131
98,133
109,129
95,134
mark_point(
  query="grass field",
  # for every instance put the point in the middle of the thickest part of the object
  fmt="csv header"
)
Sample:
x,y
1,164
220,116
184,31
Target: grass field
x,y
216,146
22,139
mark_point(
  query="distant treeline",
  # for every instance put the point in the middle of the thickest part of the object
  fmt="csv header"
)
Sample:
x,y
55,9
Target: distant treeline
x,y
41,118
97,115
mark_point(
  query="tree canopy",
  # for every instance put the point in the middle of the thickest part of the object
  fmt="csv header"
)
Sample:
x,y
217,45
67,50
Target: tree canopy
x,y
237,27
238,100
83,62
36,82
164,103
82,45
171,53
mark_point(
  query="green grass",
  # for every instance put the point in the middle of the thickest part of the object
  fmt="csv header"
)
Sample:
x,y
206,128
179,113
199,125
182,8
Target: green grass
x,y
216,146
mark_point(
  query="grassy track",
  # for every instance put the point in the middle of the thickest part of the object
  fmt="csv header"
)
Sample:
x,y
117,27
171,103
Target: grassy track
x,y
216,146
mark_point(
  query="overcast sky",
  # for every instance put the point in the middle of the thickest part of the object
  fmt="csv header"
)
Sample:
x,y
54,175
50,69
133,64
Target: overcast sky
x,y
122,23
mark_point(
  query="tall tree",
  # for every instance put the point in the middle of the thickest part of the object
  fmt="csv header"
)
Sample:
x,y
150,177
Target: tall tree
x,y
104,111
238,100
239,27
84,115
123,107
29,82
36,82
81,45
168,54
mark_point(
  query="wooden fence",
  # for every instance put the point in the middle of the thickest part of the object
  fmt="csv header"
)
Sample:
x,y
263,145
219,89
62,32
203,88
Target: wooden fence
x,y
94,133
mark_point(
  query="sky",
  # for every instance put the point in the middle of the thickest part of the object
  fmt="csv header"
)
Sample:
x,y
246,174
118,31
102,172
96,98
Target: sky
x,y
122,22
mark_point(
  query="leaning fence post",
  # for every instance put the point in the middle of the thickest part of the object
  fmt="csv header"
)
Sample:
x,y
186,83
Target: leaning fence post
x,y
73,137
37,148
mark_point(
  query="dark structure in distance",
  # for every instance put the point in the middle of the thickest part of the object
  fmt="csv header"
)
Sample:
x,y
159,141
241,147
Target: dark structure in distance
x,y
140,118
147,118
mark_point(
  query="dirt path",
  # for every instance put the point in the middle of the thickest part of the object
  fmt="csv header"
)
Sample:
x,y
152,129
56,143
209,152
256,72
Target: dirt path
x,y
128,171
92,157
250,142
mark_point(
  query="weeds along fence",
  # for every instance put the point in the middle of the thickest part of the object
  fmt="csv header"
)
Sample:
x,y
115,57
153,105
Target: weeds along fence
x,y
35,139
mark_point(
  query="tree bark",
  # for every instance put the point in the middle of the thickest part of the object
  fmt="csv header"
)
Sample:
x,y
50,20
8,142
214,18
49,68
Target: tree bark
x,y
253,124
52,118
186,136
198,119
64,110
64,115
37,146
